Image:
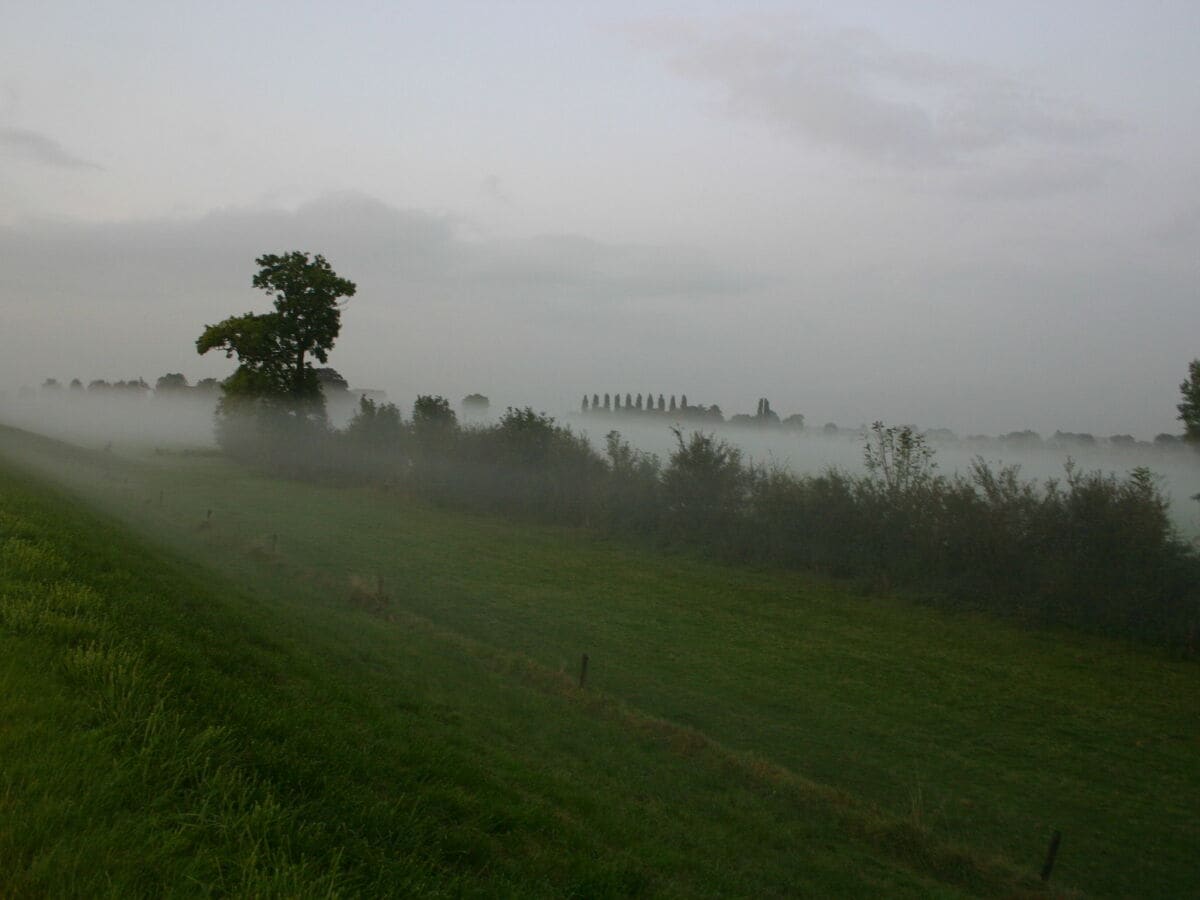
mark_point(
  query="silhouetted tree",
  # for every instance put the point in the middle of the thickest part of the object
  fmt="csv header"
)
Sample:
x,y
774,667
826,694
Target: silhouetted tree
x,y
638,404
1070,437
433,413
596,402
133,386
51,384
1026,438
477,404
76,384
169,383
683,401
1189,407
672,403
584,407
661,406
376,425
332,382
607,403
628,402
273,349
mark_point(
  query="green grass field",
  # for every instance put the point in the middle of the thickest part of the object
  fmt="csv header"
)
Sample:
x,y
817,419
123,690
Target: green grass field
x,y
316,690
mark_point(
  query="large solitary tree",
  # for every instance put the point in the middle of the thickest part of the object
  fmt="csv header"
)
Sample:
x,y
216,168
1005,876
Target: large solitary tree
x,y
275,349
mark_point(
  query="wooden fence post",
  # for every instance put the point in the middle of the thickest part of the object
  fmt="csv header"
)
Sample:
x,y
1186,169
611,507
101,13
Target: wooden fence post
x,y
1051,853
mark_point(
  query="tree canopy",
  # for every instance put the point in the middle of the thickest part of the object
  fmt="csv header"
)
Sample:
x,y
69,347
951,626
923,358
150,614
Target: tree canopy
x,y
274,349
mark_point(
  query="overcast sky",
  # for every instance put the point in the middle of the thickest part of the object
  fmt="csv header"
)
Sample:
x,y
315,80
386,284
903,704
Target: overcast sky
x,y
982,216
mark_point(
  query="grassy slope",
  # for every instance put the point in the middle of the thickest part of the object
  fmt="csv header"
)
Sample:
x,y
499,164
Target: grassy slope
x,y
166,728
989,736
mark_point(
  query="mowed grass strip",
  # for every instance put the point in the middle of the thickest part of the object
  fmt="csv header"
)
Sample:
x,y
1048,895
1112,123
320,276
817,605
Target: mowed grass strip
x,y
169,730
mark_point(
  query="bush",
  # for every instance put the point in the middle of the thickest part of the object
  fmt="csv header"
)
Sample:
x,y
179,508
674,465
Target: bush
x,y
630,500
704,489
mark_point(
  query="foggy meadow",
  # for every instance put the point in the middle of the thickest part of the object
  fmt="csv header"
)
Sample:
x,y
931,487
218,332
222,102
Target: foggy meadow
x,y
328,569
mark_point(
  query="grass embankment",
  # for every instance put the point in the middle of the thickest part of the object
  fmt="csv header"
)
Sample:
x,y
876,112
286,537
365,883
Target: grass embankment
x,y
167,729
431,731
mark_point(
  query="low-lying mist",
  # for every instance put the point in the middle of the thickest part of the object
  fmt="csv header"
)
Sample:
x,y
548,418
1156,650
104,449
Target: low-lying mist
x,y
148,420
812,450
134,420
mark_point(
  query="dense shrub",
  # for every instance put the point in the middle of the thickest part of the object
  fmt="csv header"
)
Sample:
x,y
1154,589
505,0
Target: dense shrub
x,y
630,499
704,490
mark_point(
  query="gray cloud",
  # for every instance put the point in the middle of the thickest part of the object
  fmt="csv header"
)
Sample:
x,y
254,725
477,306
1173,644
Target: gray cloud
x,y
851,91
1040,177
1181,229
436,306
36,147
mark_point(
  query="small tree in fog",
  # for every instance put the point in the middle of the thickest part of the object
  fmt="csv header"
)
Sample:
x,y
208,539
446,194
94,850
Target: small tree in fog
x,y
704,486
1189,408
475,404
596,401
433,413
584,407
672,403
607,402
434,426
76,384
171,382
332,383
376,425
898,459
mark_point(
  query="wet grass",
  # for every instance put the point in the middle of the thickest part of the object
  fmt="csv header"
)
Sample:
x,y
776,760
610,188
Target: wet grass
x,y
396,676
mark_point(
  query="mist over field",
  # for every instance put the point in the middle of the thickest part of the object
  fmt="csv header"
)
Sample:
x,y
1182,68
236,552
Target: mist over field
x,y
812,451
387,596
186,421
863,213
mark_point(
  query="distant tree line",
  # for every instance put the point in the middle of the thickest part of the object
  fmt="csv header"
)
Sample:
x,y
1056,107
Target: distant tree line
x,y
682,411
171,384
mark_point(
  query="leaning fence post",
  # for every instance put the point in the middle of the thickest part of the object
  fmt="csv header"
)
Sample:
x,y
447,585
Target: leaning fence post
x,y
1050,854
